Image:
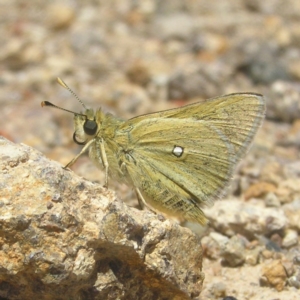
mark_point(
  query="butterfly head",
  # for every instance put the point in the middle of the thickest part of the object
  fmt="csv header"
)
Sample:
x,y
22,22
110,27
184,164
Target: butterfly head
x,y
86,125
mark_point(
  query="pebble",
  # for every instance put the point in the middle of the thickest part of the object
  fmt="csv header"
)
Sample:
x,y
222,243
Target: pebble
x,y
221,239
218,289
290,238
295,281
288,190
292,212
289,267
233,253
259,189
210,247
252,256
60,16
275,274
271,200
286,103
178,26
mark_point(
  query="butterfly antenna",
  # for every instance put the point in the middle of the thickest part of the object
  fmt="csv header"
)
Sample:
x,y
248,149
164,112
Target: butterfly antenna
x,y
47,103
63,84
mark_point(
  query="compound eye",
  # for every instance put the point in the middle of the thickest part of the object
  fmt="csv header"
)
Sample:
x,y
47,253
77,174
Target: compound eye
x,y
90,127
76,141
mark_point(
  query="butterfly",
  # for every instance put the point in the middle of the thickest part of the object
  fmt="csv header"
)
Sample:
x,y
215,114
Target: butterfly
x,y
179,160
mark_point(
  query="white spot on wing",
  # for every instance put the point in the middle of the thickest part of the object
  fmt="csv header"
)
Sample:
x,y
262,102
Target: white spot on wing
x,y
177,151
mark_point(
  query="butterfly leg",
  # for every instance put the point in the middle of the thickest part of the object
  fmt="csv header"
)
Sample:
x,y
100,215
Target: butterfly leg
x,y
86,146
142,201
100,146
140,198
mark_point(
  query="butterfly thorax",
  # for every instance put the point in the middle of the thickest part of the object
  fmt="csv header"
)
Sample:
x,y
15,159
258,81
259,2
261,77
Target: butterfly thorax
x,y
103,141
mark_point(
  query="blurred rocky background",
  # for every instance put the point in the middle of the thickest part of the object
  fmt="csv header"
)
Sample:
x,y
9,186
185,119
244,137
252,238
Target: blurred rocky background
x,y
134,57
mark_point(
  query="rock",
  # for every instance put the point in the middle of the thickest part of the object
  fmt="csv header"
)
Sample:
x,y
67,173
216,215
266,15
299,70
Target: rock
x,y
233,252
139,74
289,267
235,217
259,189
198,79
275,274
212,244
290,239
295,280
259,67
296,260
272,170
60,16
221,239
288,190
267,254
218,289
285,104
67,238
210,247
179,26
252,256
271,200
292,212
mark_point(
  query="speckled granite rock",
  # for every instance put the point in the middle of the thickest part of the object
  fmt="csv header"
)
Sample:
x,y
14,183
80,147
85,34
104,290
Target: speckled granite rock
x,y
66,238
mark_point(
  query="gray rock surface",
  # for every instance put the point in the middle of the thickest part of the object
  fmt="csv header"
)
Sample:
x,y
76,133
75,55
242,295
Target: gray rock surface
x,y
245,218
66,238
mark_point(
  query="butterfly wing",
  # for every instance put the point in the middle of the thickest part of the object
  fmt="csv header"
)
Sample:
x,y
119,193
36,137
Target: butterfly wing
x,y
183,159
237,115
